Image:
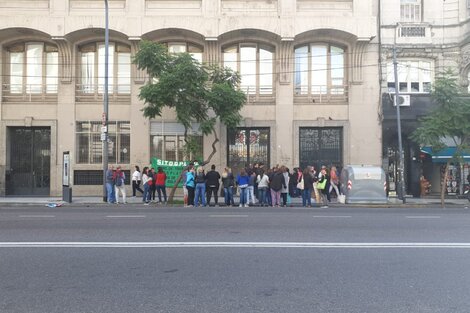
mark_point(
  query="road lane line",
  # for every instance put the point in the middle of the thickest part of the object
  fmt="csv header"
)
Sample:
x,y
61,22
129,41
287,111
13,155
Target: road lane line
x,y
424,217
126,216
227,215
332,216
37,216
316,245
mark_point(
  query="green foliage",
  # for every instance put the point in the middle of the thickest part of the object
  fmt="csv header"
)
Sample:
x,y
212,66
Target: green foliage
x,y
451,118
196,93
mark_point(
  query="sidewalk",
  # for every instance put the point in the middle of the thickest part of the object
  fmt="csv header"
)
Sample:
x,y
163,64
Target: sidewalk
x,y
296,202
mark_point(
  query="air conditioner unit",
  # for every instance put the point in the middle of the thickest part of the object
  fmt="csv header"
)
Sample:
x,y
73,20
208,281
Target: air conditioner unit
x,y
403,100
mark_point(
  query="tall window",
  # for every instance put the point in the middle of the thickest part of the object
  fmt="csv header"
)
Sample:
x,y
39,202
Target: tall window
x,y
179,47
167,142
254,62
319,70
410,10
34,68
92,61
414,76
90,146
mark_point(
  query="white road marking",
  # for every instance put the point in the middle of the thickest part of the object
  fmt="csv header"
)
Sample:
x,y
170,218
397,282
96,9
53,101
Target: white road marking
x,y
226,215
37,216
425,217
332,216
125,216
317,245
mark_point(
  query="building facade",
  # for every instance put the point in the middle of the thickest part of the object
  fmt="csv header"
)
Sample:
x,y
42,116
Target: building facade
x,y
430,36
309,69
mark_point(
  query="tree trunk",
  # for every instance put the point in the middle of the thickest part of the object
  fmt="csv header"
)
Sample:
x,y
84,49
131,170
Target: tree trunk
x,y
214,151
444,185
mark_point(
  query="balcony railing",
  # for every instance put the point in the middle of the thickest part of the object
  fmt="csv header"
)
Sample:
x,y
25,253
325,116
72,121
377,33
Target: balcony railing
x,y
321,94
29,93
94,93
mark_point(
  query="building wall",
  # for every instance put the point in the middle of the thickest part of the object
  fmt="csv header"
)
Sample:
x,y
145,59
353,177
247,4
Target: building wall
x,y
212,24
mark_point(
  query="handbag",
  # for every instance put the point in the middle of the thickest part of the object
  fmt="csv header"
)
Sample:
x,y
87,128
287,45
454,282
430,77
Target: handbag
x,y
300,184
321,185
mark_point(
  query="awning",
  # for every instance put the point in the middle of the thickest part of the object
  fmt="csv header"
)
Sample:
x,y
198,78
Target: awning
x,y
444,155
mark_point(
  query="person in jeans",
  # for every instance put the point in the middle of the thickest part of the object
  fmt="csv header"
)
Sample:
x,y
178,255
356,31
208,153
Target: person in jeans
x,y
146,180
212,184
228,182
136,180
110,184
200,180
160,183
242,181
251,189
308,186
263,186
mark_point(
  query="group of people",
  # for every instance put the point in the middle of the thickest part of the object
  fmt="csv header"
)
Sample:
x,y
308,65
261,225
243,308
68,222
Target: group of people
x,y
151,181
256,185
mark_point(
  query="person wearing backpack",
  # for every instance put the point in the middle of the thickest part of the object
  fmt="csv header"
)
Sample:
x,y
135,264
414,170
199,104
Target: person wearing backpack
x,y
119,185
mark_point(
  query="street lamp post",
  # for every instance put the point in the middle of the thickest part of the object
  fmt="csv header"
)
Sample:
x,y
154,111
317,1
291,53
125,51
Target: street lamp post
x,y
401,166
104,132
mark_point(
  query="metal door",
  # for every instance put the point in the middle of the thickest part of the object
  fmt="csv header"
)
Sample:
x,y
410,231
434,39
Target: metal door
x,y
29,158
248,146
321,146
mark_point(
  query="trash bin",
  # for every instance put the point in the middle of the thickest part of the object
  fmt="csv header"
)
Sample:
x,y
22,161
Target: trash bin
x,y
67,194
364,184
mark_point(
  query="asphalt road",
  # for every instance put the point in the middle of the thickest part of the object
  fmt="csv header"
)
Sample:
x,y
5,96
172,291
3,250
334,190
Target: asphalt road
x,y
142,259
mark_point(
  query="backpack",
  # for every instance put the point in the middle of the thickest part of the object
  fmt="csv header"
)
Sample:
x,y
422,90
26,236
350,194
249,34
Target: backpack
x,y
118,180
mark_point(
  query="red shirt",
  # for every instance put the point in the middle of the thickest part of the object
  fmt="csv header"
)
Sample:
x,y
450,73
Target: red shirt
x,y
161,179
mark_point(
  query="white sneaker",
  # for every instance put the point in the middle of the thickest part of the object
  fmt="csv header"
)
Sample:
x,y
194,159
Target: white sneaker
x,y
240,205
246,205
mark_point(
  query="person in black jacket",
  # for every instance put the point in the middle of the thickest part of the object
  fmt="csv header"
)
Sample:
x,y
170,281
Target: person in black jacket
x,y
308,186
277,183
212,185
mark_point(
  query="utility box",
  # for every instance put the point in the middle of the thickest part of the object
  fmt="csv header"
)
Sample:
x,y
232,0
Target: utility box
x,y
364,184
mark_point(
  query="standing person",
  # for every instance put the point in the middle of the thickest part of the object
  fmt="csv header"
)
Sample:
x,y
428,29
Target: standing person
x,y
251,189
136,180
293,183
228,182
119,178
285,187
146,181
263,186
334,181
151,175
111,195
160,184
242,182
200,180
277,183
185,189
316,191
323,178
270,174
308,186
190,185
213,184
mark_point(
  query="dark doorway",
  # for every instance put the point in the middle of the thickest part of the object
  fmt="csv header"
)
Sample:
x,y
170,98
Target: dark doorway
x,y
29,156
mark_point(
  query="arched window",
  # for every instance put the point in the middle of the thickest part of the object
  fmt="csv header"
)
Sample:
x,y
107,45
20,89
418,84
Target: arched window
x,y
319,70
34,68
92,62
254,62
179,47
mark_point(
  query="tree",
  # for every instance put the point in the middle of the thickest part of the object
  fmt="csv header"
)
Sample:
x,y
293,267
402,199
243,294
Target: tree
x,y
448,121
197,93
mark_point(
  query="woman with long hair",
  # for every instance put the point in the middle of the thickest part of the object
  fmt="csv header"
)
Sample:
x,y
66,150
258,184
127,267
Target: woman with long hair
x,y
242,182
228,182
136,180
147,181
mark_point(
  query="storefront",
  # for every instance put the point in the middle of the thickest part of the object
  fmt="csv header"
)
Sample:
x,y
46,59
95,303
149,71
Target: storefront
x,y
457,176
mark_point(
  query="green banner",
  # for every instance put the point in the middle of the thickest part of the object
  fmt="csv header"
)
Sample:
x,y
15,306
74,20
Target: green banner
x,y
172,169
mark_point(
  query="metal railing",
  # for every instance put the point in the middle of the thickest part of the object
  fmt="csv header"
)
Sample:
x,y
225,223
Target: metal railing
x,y
92,92
29,92
322,93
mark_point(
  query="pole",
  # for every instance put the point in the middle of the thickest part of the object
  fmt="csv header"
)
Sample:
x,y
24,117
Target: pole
x,y
401,165
105,103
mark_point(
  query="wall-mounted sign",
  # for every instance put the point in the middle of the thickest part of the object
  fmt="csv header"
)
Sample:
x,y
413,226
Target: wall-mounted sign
x,y
66,169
